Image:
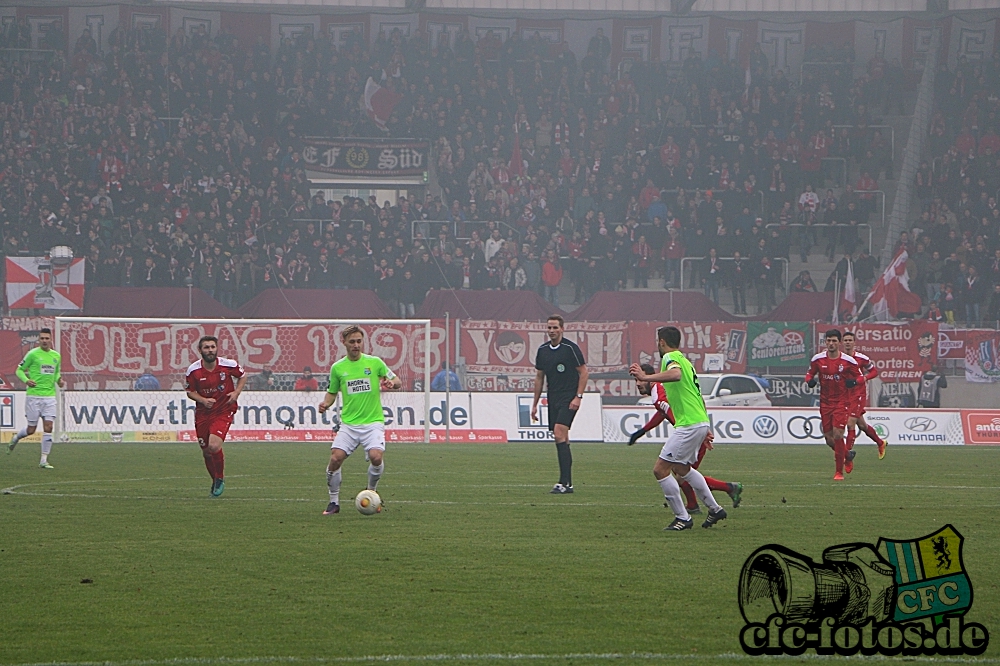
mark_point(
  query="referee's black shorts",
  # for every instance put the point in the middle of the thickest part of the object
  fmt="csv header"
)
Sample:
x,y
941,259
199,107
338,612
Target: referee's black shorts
x,y
560,413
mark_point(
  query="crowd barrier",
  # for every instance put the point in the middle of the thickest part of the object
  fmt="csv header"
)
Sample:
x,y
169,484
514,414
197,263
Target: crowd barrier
x,y
292,416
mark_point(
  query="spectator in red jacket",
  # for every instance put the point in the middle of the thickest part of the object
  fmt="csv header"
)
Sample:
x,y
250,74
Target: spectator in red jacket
x,y
552,274
306,381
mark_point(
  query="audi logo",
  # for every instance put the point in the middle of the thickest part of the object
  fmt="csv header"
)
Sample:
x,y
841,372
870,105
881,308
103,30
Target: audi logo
x,y
919,424
765,426
805,427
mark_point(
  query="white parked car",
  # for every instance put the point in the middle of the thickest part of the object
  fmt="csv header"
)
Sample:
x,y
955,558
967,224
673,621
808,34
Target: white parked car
x,y
725,390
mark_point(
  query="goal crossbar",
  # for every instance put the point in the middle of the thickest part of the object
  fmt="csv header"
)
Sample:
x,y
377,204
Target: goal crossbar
x,y
62,321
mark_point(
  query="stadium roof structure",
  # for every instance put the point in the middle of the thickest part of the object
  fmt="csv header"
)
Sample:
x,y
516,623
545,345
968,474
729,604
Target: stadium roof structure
x,y
154,302
496,305
650,306
315,304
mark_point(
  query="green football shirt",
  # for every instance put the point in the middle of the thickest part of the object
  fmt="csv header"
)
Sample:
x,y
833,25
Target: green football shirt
x,y
44,367
358,384
684,396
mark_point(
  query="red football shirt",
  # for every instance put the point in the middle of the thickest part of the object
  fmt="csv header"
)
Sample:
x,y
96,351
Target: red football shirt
x,y
663,411
217,383
832,374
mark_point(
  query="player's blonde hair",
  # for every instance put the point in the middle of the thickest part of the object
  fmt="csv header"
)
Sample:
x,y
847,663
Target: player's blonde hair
x,y
349,331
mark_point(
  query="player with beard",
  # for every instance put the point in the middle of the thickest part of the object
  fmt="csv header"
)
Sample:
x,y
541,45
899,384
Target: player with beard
x,y
210,383
837,375
655,392
860,397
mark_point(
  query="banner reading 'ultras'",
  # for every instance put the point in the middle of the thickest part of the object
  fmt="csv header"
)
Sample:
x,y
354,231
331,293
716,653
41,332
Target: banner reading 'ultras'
x,y
366,157
901,352
97,351
779,344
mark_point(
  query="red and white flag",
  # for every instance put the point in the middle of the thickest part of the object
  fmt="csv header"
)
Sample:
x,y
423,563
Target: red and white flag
x,y
39,283
379,102
891,293
848,299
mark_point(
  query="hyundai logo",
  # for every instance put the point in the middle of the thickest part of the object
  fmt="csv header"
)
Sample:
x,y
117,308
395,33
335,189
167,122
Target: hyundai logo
x,y
765,426
919,424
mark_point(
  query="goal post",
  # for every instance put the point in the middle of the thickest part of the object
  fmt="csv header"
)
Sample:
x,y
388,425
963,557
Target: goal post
x,y
125,376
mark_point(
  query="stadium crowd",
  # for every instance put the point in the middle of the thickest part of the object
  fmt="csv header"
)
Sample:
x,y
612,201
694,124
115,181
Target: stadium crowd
x,y
174,159
954,245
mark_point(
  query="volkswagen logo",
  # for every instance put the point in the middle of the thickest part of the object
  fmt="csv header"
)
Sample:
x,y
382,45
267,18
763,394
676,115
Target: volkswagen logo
x,y
919,424
805,427
765,426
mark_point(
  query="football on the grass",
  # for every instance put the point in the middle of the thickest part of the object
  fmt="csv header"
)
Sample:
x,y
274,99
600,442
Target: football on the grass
x,y
368,502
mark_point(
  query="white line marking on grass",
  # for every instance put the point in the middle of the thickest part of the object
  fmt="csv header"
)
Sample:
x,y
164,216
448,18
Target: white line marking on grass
x,y
593,656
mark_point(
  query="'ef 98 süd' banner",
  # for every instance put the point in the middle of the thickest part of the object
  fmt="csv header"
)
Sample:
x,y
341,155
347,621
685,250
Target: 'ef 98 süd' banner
x,y
366,157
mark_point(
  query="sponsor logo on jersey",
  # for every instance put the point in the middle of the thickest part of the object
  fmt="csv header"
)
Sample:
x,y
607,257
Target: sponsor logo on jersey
x,y
358,386
47,369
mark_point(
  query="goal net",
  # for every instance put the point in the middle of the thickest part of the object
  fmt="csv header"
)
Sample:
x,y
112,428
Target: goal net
x,y
125,377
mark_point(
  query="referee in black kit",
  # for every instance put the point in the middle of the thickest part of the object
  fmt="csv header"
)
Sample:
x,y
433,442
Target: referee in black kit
x,y
561,362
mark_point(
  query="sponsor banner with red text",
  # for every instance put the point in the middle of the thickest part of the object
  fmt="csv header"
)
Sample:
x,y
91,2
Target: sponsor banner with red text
x,y
901,352
781,425
512,412
982,426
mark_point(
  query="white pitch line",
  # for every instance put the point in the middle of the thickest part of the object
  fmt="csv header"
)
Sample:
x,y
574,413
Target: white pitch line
x,y
593,656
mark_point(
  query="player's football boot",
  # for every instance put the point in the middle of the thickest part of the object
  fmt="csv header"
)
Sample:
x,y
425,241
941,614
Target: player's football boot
x,y
849,461
13,442
678,525
331,509
881,447
838,477
560,489
46,465
735,493
714,517
218,487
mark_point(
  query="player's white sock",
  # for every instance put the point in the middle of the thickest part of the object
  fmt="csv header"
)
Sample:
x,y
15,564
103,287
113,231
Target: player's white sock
x,y
672,493
22,433
46,447
374,474
697,481
333,483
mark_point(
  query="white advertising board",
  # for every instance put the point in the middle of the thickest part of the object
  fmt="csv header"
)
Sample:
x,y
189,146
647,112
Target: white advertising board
x,y
511,412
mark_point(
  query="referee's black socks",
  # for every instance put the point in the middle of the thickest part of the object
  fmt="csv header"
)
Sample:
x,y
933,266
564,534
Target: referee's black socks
x,y
565,463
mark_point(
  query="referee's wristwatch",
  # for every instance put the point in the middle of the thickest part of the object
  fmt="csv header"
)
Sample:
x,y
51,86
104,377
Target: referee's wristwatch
x,y
579,395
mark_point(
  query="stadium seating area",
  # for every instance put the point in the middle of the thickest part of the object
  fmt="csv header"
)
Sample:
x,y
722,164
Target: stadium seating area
x,y
171,160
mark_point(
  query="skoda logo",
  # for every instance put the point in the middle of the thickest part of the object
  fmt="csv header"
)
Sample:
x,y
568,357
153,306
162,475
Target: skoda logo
x,y
765,426
919,424
805,427
881,430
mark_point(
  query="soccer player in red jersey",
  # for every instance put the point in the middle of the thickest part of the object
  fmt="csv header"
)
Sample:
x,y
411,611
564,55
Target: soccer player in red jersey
x,y
210,383
837,375
857,416
664,413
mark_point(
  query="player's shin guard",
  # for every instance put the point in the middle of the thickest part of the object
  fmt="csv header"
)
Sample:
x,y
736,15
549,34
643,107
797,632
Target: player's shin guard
x,y
715,484
220,464
689,497
46,446
333,484
839,454
852,434
374,474
209,463
565,463
697,481
672,493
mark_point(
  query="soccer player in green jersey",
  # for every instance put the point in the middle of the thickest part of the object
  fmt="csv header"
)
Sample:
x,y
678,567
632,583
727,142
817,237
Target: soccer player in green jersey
x,y
680,452
360,378
41,372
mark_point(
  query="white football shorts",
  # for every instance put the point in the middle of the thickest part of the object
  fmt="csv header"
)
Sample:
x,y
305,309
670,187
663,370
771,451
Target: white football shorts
x,y
683,444
36,406
370,436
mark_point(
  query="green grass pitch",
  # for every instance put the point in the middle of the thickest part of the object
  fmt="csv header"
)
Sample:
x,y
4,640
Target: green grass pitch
x,y
471,561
